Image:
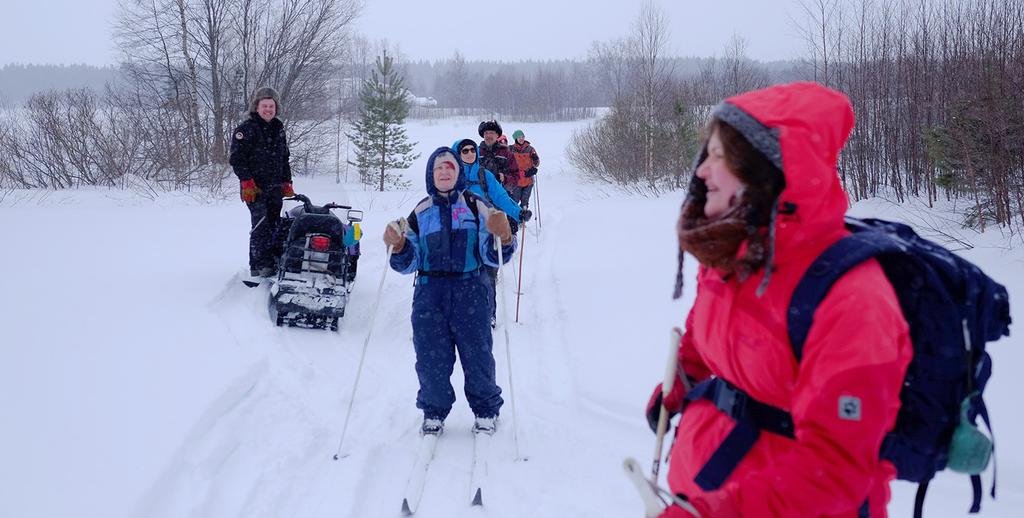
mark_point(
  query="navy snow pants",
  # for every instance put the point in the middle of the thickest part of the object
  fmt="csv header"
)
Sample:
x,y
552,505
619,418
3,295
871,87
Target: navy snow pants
x,y
452,314
263,249
524,196
491,273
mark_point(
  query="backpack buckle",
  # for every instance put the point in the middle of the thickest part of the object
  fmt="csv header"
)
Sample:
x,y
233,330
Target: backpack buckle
x,y
730,400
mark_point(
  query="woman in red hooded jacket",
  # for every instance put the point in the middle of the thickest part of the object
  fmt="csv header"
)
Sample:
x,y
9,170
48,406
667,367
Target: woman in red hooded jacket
x,y
764,435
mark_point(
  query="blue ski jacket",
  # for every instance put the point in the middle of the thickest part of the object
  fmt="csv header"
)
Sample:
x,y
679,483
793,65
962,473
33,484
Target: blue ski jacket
x,y
492,191
447,236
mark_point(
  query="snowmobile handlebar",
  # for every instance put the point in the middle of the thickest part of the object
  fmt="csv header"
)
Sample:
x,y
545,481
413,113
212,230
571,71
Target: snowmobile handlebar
x,y
353,215
300,197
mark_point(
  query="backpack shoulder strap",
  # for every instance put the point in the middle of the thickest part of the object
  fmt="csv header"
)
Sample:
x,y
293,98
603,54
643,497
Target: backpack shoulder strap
x,y
832,264
471,200
482,177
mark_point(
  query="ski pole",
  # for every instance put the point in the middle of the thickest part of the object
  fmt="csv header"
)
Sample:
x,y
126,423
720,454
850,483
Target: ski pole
x,y
516,270
508,349
400,228
666,388
257,225
536,188
519,286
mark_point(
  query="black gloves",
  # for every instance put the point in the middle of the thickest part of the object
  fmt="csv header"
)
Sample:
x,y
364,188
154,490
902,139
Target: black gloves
x,y
531,171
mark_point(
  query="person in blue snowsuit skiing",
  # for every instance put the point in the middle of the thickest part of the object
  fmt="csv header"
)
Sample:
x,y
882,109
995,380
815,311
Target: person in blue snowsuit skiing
x,y
483,183
445,244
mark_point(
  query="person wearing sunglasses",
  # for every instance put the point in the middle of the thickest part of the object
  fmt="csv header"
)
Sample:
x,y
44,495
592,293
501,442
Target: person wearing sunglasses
x,y
482,182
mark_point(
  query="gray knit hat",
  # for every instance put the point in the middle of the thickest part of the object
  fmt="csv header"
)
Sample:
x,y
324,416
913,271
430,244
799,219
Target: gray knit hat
x,y
265,92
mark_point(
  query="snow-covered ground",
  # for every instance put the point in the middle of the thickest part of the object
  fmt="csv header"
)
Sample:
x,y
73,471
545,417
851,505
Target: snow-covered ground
x,y
139,378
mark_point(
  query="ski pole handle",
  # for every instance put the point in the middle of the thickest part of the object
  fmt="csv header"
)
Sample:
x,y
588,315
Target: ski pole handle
x,y
400,225
655,498
666,388
653,504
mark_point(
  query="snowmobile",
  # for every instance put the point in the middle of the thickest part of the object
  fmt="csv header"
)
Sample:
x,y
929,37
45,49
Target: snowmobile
x,y
318,256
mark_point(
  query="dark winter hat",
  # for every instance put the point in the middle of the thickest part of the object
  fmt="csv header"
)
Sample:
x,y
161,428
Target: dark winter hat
x,y
518,133
457,148
262,93
491,125
761,137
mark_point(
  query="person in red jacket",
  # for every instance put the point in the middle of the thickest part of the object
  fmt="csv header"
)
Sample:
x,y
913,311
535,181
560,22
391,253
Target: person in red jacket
x,y
763,435
526,157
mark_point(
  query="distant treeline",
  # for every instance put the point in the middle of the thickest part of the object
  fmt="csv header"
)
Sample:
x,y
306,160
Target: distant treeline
x,y
534,89
525,87
538,87
19,82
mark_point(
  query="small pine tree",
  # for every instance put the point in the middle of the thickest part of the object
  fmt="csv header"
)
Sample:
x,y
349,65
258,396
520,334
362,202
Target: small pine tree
x,y
381,145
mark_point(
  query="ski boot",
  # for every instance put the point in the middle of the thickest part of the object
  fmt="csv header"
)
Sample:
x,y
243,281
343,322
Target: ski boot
x,y
487,425
432,426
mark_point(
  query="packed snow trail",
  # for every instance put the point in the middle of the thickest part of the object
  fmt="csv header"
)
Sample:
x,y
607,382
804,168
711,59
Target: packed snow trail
x,y
316,381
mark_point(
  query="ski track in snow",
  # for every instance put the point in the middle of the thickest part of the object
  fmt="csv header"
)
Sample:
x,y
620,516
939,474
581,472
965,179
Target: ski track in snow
x,y
262,449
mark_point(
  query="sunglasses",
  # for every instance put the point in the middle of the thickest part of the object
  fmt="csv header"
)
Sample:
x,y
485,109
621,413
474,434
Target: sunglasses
x,y
466,150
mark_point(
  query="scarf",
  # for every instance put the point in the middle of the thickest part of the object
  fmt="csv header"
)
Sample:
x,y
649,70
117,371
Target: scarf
x,y
728,243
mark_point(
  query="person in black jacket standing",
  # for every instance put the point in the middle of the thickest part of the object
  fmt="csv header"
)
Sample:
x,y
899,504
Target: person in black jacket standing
x,y
259,157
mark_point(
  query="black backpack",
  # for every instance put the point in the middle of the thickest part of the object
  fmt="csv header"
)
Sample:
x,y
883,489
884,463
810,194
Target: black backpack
x,y
952,310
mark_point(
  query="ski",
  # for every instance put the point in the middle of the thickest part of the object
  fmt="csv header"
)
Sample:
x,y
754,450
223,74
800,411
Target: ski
x,y
481,445
250,281
418,477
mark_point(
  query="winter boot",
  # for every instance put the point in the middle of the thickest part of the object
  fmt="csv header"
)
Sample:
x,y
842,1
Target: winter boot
x,y
432,426
487,425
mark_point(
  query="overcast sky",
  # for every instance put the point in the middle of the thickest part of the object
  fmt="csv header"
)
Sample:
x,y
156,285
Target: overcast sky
x,y
78,31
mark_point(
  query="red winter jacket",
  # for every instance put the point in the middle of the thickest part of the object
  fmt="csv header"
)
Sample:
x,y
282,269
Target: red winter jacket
x,y
859,345
526,158
507,165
